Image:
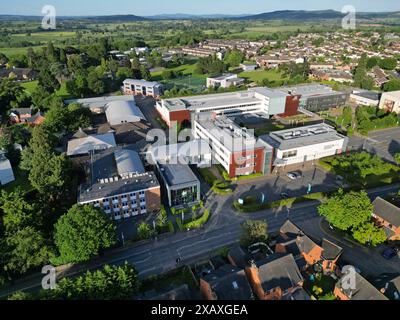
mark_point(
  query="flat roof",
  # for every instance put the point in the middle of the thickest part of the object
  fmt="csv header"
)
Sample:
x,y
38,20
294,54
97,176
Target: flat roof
x,y
392,93
368,94
211,100
308,90
232,136
177,174
142,82
100,102
302,136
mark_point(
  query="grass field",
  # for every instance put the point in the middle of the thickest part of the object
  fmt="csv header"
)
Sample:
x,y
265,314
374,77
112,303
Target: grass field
x,y
32,85
258,75
20,50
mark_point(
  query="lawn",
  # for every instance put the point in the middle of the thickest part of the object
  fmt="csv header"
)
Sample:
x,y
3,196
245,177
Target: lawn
x,y
258,75
321,287
31,86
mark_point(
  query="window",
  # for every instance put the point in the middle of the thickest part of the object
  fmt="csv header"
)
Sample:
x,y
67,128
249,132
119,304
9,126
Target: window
x,y
289,154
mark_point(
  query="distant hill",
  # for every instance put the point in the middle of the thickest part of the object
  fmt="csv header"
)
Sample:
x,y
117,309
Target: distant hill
x,y
184,16
316,15
109,19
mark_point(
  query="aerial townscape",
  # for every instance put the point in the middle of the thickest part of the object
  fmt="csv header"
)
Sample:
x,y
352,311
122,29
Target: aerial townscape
x,y
189,157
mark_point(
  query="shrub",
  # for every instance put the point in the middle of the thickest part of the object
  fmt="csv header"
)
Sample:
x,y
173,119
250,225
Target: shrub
x,y
198,223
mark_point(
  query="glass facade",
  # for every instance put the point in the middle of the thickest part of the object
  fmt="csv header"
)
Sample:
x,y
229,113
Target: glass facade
x,y
184,196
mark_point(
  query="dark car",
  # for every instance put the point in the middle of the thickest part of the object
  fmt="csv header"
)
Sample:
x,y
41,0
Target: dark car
x,y
284,196
389,253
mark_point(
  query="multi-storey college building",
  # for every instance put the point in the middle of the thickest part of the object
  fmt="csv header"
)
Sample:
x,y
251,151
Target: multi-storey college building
x,y
142,87
119,185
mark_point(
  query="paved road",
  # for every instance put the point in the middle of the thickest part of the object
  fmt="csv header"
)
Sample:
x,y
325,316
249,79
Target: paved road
x,y
385,143
222,230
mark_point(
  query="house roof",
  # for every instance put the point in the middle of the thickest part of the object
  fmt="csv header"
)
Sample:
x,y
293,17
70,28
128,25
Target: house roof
x,y
364,290
387,211
295,241
128,162
179,293
238,256
297,294
229,283
89,143
330,250
279,270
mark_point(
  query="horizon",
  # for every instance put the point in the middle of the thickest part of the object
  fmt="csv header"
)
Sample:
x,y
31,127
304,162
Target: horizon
x,y
75,8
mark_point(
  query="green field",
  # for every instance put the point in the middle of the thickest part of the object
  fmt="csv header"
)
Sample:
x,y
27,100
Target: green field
x,y
258,75
32,85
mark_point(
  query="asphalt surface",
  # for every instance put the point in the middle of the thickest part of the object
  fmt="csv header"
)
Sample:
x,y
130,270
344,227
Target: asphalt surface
x,y
223,229
385,143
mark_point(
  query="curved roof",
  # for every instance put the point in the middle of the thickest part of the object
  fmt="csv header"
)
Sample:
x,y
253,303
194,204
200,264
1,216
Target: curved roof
x,y
118,112
128,161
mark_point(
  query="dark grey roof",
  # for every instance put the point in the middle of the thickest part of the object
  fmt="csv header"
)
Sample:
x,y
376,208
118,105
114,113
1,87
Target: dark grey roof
x,y
297,294
177,174
229,283
331,250
363,289
368,94
296,241
238,256
279,270
386,210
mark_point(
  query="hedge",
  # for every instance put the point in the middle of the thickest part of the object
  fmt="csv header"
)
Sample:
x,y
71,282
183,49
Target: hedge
x,y
199,222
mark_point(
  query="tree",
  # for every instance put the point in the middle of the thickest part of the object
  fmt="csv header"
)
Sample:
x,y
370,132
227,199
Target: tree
x,y
391,85
10,94
144,231
75,64
368,233
3,59
48,81
254,231
397,158
83,233
346,211
95,83
372,62
18,213
145,73
108,283
24,250
78,87
388,63
234,57
50,52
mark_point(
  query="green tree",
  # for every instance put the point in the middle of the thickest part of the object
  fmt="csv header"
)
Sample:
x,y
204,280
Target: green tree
x,y
95,83
108,283
234,57
254,231
347,211
368,233
388,63
145,73
48,81
144,231
83,233
11,93
24,250
75,64
391,85
397,158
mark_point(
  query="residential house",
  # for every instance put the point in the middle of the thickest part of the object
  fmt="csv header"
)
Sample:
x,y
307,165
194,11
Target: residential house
x,y
26,115
387,216
356,289
226,283
19,74
274,277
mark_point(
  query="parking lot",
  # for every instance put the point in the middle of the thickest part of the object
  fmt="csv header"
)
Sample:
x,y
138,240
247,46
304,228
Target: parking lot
x,y
385,143
274,185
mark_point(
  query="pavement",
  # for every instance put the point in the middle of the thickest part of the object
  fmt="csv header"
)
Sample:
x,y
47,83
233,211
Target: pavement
x,y
159,256
385,143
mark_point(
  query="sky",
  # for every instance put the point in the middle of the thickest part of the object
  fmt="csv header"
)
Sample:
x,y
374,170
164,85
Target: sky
x,y
153,7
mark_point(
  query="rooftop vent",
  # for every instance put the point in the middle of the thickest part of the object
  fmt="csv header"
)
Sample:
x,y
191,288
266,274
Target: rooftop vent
x,y
235,285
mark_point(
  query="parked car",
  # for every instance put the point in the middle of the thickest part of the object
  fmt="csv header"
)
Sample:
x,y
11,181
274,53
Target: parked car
x,y
294,175
389,253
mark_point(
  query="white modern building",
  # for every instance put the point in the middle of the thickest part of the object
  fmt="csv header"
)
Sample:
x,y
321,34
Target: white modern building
x,y
390,101
119,112
264,101
6,171
224,81
303,144
142,87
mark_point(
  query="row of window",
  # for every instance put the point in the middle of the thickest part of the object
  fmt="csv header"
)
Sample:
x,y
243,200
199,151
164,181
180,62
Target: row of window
x,y
231,107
